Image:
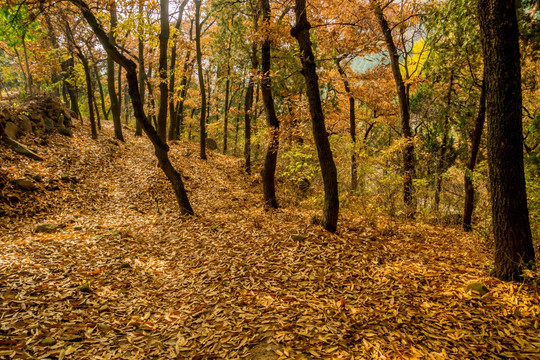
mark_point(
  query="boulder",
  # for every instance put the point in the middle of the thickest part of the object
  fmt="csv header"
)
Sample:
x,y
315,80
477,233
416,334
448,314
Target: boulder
x,y
25,123
45,228
65,131
11,130
211,144
25,184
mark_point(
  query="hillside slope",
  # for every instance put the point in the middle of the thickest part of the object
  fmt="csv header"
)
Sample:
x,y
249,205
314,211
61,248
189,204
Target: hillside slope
x,y
124,276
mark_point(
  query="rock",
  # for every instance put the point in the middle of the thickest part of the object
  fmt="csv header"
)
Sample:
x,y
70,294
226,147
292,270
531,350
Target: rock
x,y
37,177
298,237
477,288
45,228
211,144
49,124
25,124
65,131
25,184
11,130
48,341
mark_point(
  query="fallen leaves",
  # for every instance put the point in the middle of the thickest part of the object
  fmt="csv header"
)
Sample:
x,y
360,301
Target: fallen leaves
x,y
236,280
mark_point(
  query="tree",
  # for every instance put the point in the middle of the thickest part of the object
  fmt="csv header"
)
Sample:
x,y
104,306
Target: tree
x,y
404,111
113,95
269,170
514,251
326,160
161,148
202,120
163,76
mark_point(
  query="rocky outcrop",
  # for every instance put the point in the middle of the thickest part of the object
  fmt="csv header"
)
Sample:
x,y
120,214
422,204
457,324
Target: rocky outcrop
x,y
36,116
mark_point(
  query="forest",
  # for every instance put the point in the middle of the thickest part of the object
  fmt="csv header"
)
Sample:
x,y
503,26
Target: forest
x,y
269,179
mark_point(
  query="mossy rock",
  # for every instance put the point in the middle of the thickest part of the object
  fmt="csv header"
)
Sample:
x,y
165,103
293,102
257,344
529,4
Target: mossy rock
x,y
65,131
477,288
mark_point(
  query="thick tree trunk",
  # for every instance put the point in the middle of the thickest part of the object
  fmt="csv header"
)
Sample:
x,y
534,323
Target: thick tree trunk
x,y
163,78
514,251
270,161
444,146
138,127
352,126
161,148
115,101
309,69
475,147
409,197
202,121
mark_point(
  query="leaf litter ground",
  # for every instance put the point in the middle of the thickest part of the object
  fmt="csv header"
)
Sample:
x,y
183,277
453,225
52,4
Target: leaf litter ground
x,y
126,277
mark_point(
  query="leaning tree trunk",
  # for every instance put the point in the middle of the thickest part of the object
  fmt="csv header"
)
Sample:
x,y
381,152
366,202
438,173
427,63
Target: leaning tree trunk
x,y
514,251
406,133
161,148
270,161
475,146
309,69
202,121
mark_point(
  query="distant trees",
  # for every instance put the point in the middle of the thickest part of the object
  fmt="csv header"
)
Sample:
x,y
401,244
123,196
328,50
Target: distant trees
x,y
514,251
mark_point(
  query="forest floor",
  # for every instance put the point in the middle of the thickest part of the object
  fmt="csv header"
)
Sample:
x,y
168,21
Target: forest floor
x,y
126,277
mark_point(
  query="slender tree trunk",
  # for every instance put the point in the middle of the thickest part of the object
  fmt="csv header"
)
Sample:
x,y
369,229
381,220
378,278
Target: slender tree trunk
x,y
248,103
90,95
514,251
409,197
352,126
444,146
202,121
270,161
161,148
309,69
100,88
475,147
98,116
115,100
184,83
163,78
173,118
138,126
28,73
67,69
226,105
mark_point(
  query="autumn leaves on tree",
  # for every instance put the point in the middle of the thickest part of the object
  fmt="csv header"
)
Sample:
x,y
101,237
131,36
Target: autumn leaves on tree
x,y
374,103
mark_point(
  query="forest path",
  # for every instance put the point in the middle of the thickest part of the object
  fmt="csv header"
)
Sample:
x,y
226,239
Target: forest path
x,y
236,280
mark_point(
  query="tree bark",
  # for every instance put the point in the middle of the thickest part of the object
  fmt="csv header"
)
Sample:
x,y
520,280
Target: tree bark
x,y
514,251
161,148
476,137
444,146
309,69
115,106
270,161
409,197
138,127
90,95
202,90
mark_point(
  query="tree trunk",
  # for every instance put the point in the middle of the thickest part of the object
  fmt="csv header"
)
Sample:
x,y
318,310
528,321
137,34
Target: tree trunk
x,y
161,148
475,146
90,94
514,251
173,118
67,68
184,83
270,161
115,101
226,105
444,146
202,90
28,73
409,197
163,78
138,127
248,103
101,92
309,69
352,126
